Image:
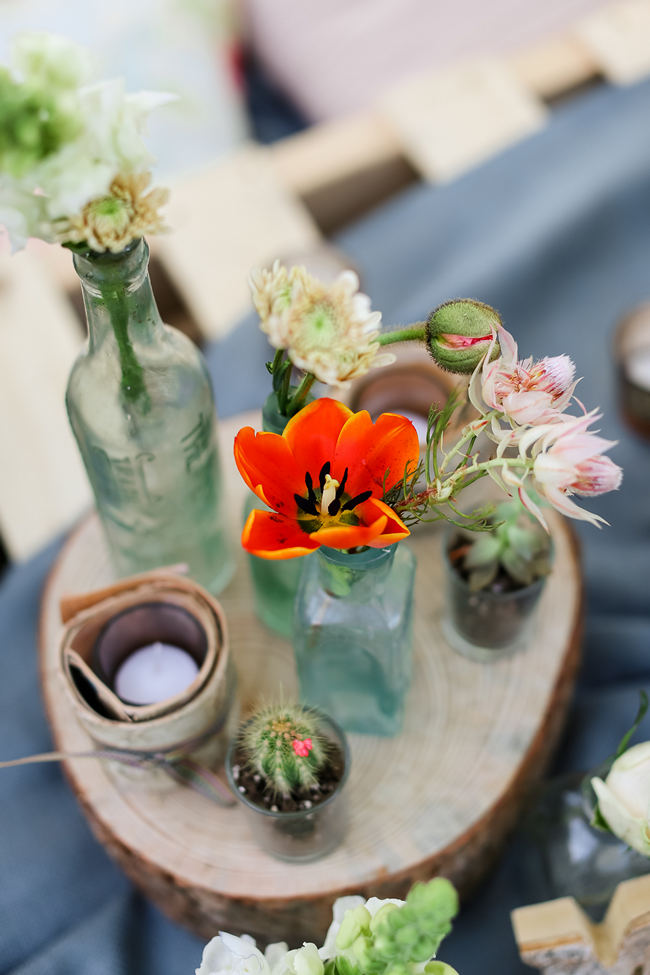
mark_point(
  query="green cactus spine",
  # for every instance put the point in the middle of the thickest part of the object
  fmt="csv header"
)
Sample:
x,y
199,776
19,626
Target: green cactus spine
x,y
284,745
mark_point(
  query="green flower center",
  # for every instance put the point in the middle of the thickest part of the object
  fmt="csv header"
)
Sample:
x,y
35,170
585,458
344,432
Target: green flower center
x,y
110,213
319,326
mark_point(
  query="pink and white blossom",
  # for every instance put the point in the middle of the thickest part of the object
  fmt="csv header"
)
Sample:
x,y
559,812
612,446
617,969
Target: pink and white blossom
x,y
525,391
567,460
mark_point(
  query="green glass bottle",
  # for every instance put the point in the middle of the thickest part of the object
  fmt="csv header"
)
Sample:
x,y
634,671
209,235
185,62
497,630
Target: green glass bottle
x,y
275,581
140,403
353,635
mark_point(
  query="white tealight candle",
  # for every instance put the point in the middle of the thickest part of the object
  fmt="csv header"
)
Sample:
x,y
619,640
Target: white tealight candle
x,y
154,673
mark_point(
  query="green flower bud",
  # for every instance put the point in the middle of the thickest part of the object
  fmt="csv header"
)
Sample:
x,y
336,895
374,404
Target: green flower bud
x,y
439,968
344,966
381,915
354,923
459,334
362,949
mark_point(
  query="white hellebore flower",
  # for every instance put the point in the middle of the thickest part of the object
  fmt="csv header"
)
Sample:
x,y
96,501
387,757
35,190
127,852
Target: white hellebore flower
x,y
50,61
229,955
300,961
624,797
109,143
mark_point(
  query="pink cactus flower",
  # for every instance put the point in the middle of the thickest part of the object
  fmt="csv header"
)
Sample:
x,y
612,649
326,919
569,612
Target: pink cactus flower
x,y
302,748
524,390
567,459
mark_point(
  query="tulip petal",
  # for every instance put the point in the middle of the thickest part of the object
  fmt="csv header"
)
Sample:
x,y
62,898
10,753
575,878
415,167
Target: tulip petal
x,y
274,536
370,450
268,467
311,434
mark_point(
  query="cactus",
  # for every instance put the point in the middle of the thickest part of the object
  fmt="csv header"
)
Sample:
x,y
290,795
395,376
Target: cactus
x,y
283,744
516,543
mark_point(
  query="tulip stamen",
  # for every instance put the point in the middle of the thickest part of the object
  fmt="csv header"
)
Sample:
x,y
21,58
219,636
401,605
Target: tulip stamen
x,y
324,471
359,499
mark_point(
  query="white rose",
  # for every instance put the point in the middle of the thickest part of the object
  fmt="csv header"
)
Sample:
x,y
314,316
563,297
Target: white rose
x,y
624,797
229,955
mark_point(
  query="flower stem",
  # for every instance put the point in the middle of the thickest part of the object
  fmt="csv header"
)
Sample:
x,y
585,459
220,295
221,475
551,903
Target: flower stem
x,y
412,333
297,400
283,392
132,382
277,360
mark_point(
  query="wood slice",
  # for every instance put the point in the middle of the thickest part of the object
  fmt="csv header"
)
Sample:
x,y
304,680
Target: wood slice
x,y
439,798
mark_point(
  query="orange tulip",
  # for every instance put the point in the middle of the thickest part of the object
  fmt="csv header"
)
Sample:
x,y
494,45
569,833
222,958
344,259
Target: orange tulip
x,y
324,478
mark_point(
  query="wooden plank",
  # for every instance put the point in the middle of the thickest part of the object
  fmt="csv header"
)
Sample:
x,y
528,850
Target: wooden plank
x,y
557,938
555,66
226,220
445,813
618,39
452,120
43,487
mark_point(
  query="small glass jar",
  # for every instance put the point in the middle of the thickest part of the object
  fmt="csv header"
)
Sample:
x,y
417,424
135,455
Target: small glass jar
x,y
482,624
306,834
275,581
352,636
565,856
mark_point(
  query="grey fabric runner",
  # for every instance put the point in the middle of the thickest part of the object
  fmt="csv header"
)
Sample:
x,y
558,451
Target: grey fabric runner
x,y
556,234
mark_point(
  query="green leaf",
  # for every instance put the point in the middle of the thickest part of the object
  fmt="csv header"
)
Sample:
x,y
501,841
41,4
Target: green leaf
x,y
625,740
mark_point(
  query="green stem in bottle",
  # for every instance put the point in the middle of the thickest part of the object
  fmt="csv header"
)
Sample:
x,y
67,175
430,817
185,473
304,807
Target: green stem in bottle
x,y
132,383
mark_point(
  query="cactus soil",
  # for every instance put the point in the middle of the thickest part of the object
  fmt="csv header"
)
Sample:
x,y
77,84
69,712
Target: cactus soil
x,y
253,785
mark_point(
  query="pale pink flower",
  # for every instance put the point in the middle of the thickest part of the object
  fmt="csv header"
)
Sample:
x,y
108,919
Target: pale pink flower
x,y
567,460
526,391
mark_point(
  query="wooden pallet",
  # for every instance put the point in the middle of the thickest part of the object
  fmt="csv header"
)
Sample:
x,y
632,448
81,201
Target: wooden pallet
x,y
260,203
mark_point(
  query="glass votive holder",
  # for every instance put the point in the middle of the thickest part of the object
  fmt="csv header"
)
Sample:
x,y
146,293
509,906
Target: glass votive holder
x,y
150,652
632,357
484,624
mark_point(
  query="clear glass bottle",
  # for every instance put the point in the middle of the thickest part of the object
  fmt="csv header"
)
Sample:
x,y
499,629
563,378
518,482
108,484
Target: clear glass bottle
x,y
564,855
140,403
352,636
275,581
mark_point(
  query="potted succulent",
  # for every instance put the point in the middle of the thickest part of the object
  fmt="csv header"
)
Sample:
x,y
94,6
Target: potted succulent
x,y
494,580
287,766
